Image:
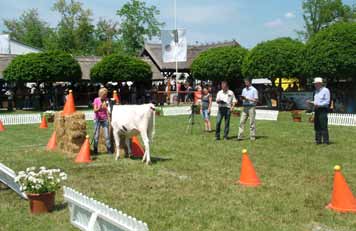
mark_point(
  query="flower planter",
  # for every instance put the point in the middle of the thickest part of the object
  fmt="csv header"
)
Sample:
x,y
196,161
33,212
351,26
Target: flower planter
x,y
311,119
236,113
297,119
41,203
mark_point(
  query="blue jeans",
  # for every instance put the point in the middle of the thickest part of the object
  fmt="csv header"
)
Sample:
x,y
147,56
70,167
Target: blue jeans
x,y
105,125
225,113
205,113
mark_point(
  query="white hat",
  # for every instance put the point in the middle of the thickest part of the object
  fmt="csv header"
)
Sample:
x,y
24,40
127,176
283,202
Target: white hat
x,y
318,80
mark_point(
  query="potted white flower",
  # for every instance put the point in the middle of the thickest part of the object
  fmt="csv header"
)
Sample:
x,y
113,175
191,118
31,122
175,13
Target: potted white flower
x,y
40,186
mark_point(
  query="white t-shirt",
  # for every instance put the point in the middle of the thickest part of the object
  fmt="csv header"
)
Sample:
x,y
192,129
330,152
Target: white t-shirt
x,y
227,97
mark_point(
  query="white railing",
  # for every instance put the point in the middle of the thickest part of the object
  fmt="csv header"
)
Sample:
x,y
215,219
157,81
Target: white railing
x,y
7,176
342,119
186,110
174,111
20,119
90,215
267,115
89,115
34,118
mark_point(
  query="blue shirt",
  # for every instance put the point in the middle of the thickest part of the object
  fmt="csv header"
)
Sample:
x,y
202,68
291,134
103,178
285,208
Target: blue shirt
x,y
249,93
322,97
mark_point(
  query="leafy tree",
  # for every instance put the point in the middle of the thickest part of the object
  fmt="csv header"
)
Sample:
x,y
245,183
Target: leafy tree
x,y
75,32
221,63
43,67
28,29
106,35
138,22
276,58
319,14
118,67
331,53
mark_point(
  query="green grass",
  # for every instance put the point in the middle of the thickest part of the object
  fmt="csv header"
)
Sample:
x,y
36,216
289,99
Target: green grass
x,y
193,186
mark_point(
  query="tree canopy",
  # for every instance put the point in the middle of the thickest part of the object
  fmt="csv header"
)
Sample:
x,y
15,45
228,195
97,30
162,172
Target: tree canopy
x,y
43,67
319,14
331,53
138,23
28,28
119,67
275,58
221,63
76,32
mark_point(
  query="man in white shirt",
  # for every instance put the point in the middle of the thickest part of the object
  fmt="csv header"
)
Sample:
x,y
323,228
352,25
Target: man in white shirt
x,y
321,107
226,101
249,98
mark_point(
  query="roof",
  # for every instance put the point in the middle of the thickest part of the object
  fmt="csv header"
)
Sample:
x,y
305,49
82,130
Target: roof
x,y
4,62
154,52
86,63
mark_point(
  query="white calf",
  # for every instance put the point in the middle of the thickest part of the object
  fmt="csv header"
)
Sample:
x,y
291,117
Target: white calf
x,y
131,120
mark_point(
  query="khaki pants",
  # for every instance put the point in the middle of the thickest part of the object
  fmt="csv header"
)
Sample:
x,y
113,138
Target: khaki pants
x,y
248,112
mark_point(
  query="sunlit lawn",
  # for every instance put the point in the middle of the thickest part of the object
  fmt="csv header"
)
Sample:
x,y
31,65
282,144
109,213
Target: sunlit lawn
x,y
191,185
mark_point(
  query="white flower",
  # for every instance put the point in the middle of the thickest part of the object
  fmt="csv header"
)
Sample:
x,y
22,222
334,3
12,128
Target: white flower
x,y
42,168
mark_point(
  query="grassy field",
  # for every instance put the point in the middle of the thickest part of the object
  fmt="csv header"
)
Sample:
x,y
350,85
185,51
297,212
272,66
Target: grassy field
x,y
191,184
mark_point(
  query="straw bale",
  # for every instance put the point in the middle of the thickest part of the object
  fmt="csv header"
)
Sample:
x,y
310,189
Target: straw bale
x,y
70,131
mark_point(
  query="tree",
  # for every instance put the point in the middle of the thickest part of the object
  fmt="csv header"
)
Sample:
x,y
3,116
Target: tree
x,y
276,58
49,66
138,22
28,29
221,63
119,67
106,35
331,53
319,14
75,32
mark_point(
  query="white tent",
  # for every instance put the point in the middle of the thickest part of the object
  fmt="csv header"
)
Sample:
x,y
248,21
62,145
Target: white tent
x,y
262,81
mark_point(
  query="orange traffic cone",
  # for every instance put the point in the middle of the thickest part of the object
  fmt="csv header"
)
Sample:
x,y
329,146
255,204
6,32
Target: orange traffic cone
x,y
342,199
44,123
52,143
136,148
84,153
69,107
116,97
2,128
248,176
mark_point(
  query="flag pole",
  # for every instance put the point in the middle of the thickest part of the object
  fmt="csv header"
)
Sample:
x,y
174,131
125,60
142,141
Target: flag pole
x,y
175,27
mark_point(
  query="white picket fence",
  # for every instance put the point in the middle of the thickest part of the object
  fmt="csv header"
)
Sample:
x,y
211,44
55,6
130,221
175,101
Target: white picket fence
x,y
271,115
342,119
90,215
7,177
18,119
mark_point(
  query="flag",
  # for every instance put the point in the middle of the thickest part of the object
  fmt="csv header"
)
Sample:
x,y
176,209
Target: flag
x,y
174,45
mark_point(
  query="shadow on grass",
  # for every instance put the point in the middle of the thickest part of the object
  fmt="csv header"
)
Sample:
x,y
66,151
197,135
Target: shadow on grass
x,y
154,160
257,138
60,206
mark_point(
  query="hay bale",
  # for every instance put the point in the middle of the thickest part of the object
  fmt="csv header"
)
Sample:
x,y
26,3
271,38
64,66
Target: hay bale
x,y
70,131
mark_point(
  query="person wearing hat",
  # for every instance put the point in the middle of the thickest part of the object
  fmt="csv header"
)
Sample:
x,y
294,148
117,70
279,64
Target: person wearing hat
x,y
249,99
321,105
